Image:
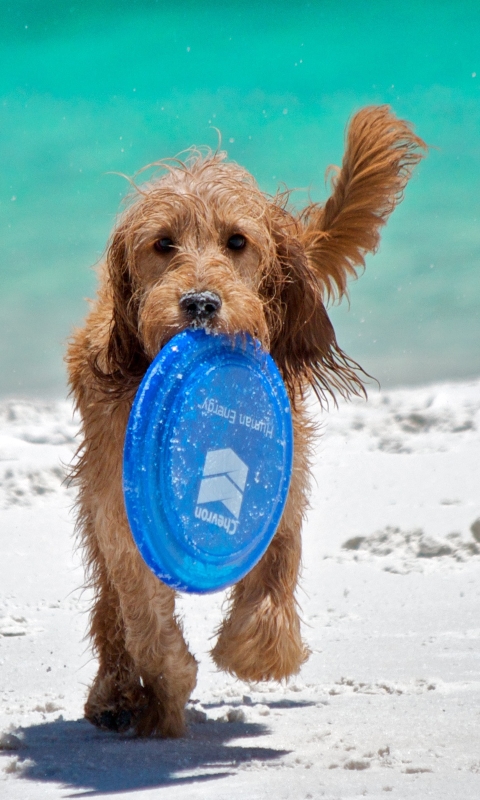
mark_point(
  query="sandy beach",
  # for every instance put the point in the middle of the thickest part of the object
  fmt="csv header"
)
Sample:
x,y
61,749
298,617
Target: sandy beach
x,y
388,704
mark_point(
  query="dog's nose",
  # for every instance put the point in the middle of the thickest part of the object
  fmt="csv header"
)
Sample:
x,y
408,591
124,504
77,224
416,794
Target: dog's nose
x,y
200,306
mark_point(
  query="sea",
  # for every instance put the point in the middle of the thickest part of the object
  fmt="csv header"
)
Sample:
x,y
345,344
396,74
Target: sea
x,y
92,91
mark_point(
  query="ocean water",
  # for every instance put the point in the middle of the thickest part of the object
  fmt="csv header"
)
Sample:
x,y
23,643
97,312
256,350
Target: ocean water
x,y
95,88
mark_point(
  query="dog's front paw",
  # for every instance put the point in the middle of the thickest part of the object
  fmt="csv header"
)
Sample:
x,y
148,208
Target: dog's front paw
x,y
115,706
145,709
119,721
261,642
161,717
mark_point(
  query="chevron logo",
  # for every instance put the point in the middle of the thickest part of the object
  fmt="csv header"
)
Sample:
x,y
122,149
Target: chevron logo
x,y
224,479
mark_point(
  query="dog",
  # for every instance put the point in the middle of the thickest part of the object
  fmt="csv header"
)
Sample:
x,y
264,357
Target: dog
x,y
201,245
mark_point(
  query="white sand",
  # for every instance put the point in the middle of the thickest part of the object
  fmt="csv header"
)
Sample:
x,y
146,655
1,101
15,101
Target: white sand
x,y
388,704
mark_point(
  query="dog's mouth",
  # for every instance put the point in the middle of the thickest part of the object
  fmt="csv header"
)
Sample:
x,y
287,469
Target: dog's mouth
x,y
167,311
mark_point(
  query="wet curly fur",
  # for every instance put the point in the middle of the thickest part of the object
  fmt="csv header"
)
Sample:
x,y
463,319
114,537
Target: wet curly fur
x,y
275,287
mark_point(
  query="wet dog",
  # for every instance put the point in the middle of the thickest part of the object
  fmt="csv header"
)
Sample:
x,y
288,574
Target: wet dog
x,y
203,246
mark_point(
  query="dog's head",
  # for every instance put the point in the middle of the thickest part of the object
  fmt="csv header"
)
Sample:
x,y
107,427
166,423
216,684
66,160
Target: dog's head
x,y
203,246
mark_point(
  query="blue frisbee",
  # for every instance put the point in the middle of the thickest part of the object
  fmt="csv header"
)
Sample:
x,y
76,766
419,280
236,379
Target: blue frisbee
x,y
207,460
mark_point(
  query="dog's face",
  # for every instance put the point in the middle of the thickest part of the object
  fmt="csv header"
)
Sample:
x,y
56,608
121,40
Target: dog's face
x,y
201,252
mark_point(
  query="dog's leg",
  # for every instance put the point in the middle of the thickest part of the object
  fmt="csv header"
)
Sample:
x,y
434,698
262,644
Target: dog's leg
x,y
116,695
260,638
146,673
153,638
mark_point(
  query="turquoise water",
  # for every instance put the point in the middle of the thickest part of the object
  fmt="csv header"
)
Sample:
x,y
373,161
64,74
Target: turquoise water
x,y
93,88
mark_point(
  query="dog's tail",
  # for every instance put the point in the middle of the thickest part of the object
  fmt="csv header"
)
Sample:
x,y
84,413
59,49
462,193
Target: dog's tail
x,y
381,152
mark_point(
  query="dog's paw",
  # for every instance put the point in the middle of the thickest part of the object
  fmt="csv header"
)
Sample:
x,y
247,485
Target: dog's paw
x,y
147,714
115,706
119,721
257,646
161,719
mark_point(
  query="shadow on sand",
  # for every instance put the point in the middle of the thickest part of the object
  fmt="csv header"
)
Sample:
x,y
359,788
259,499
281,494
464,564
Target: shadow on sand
x,y
283,703
90,762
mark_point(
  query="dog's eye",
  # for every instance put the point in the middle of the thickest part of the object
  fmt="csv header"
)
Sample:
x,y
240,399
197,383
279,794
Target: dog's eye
x,y
164,245
236,242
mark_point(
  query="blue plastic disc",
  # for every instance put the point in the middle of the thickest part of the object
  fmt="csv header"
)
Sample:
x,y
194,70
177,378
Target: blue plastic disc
x,y
207,460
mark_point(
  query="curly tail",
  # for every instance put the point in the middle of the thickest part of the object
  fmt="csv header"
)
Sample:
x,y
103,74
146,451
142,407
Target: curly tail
x,y
381,153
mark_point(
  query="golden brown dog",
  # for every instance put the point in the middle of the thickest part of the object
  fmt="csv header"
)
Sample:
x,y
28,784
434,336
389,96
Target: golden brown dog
x,y
202,245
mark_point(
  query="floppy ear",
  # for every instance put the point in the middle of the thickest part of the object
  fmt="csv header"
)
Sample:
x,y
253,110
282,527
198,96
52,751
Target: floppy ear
x,y
381,152
122,364
303,342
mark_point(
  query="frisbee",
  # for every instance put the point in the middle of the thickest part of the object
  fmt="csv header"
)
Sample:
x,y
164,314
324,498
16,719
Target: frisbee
x,y
207,459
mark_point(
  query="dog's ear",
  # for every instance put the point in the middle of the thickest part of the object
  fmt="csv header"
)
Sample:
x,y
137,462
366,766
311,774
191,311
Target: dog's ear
x,y
303,342
122,364
381,152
